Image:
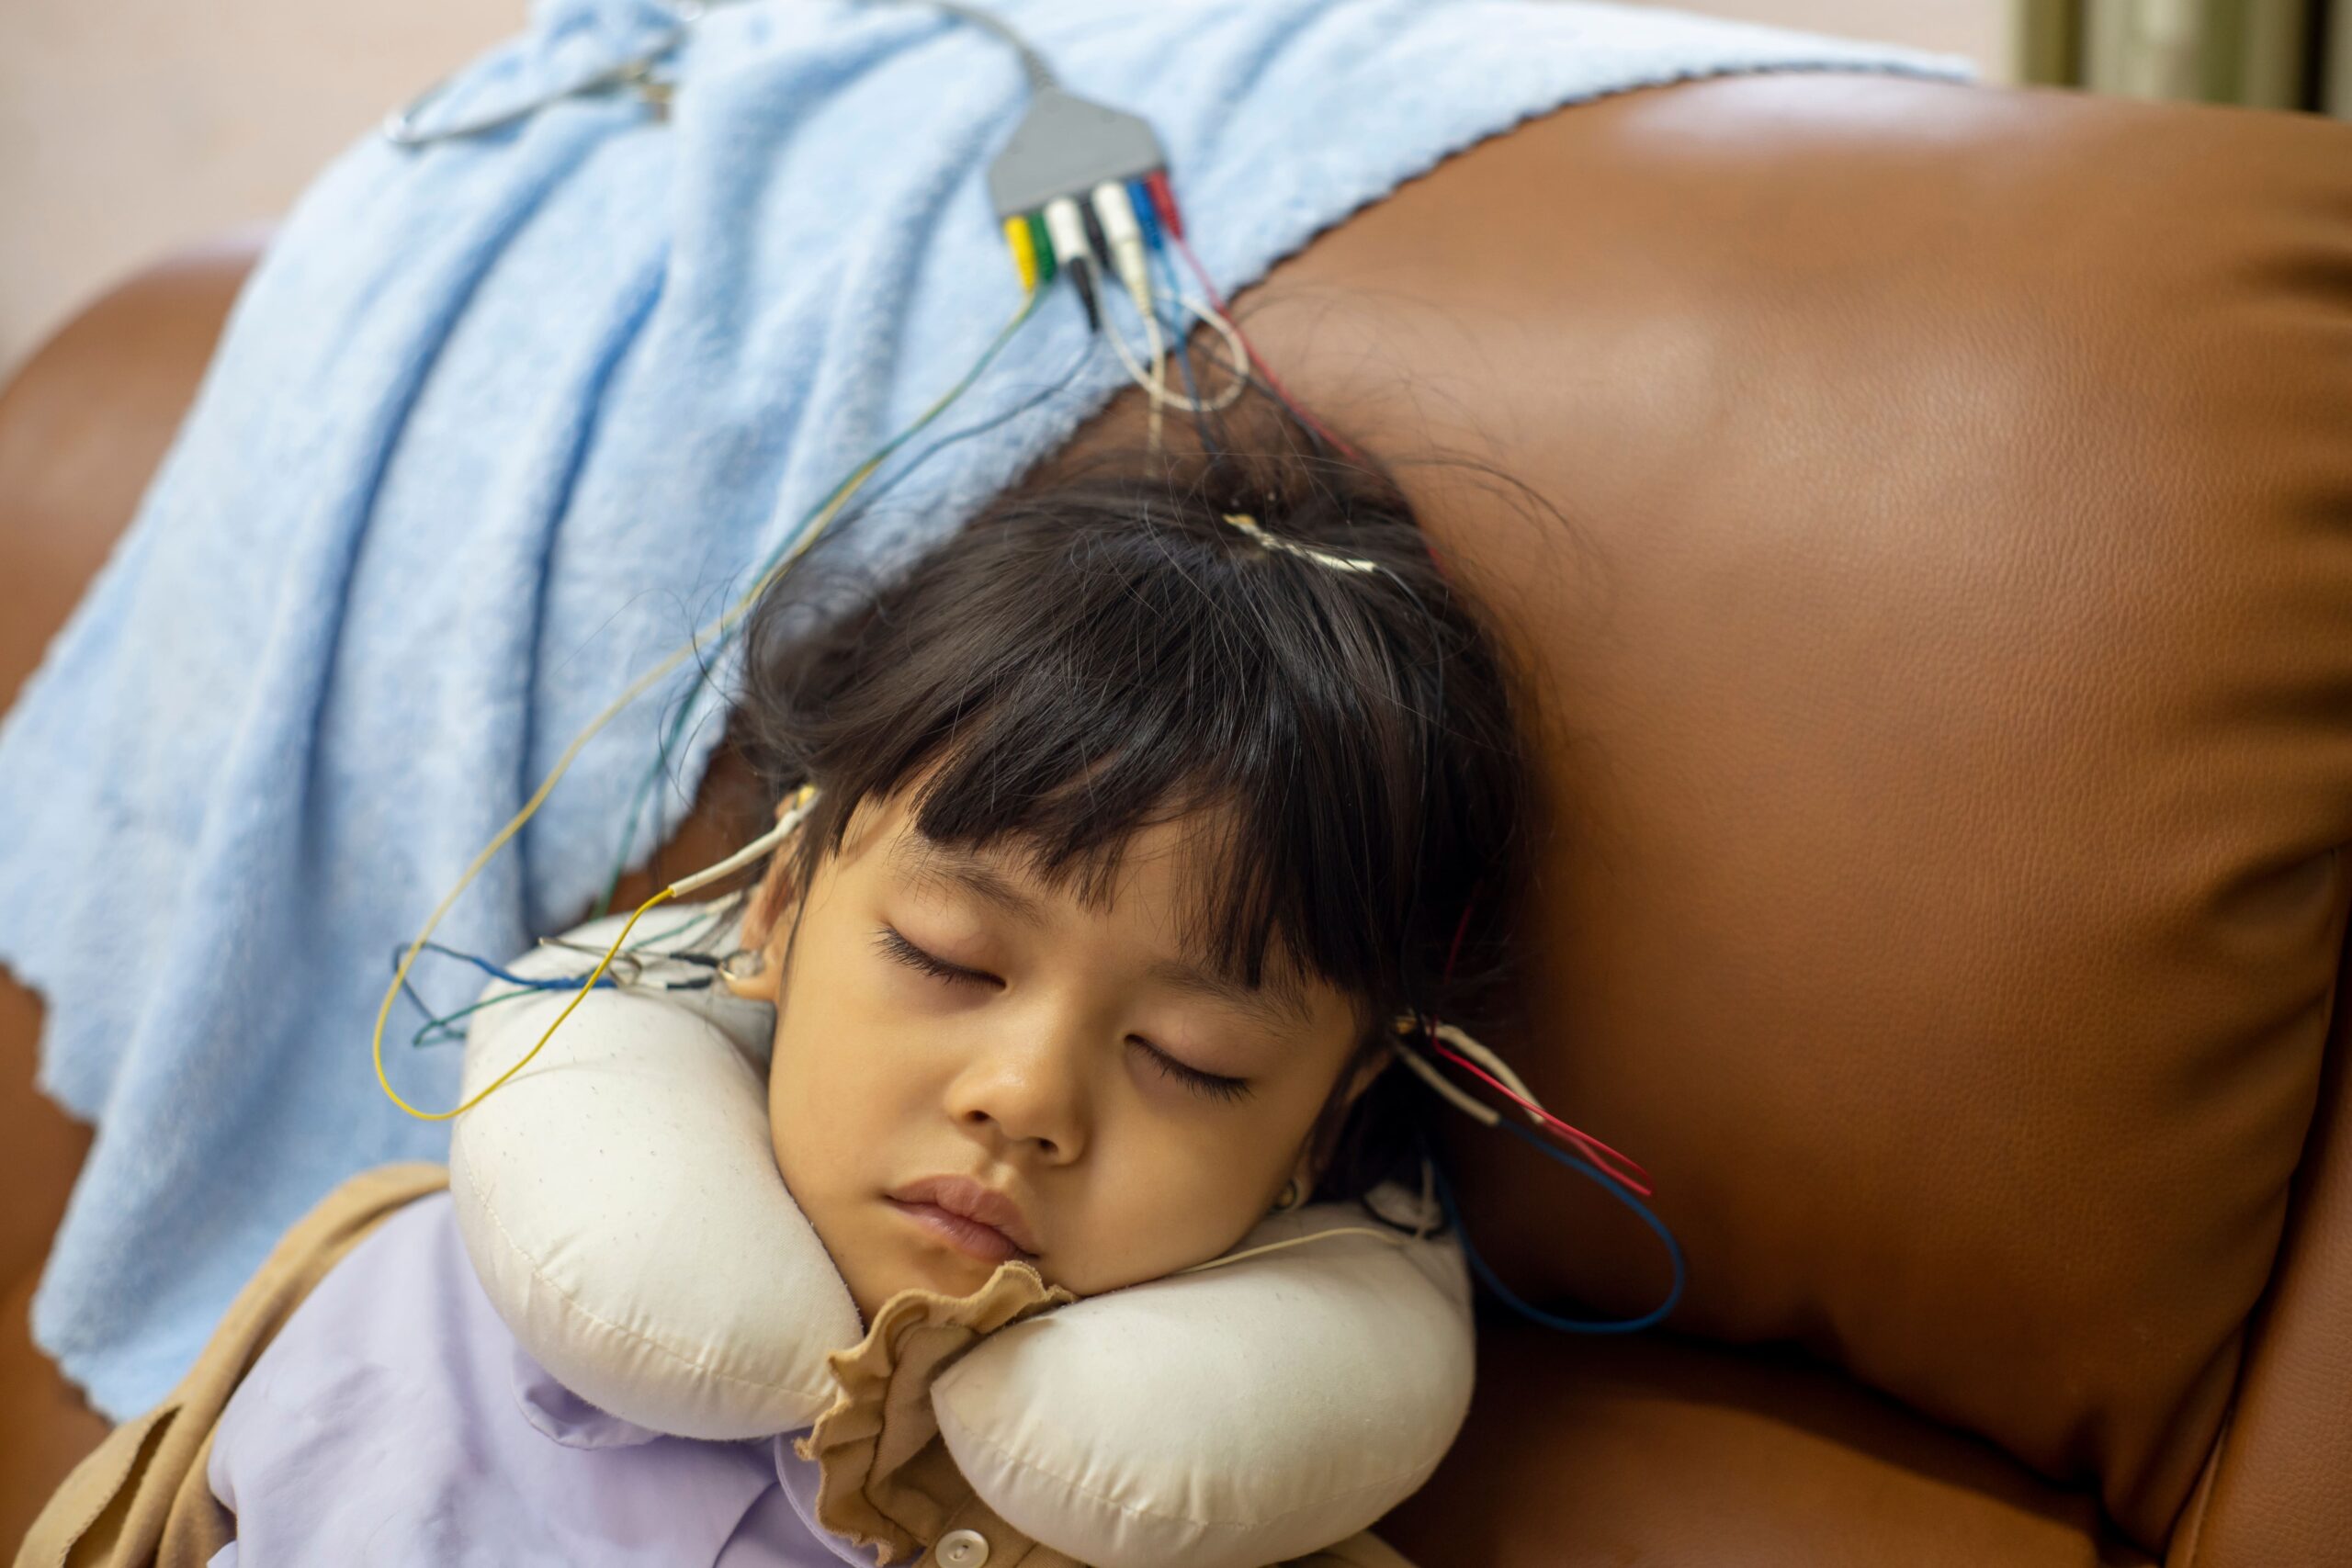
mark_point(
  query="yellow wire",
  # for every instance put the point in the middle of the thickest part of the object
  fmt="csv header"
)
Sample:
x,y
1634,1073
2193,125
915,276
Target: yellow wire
x,y
637,689
1025,250
577,997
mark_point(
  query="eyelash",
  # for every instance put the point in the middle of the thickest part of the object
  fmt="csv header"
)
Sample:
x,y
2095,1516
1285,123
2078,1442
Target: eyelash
x,y
1214,1086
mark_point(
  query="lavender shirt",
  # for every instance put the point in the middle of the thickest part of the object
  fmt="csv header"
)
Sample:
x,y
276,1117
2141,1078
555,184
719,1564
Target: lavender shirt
x,y
395,1421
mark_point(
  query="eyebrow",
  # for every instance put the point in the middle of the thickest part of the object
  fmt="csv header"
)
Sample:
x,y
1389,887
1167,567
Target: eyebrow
x,y
927,864
1279,1002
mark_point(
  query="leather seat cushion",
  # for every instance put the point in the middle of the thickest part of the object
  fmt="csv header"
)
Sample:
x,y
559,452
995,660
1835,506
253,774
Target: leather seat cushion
x,y
1667,1453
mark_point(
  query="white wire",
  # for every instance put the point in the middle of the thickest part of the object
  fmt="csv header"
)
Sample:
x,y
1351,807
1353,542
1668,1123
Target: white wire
x,y
1484,1115
1470,1047
1155,381
1156,420
786,824
1420,1231
1389,1236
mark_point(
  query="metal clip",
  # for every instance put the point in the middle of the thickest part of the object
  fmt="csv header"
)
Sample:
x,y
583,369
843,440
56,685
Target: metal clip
x,y
402,128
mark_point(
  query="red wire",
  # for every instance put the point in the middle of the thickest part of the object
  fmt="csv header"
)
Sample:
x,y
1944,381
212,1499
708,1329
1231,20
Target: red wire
x,y
1172,221
1216,302
1453,948
1624,1168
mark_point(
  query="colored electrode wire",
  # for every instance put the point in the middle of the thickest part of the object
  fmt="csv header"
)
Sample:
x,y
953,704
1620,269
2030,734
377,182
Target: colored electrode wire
x,y
874,492
1649,1319
786,824
495,972
1043,244
435,1027
1067,231
1183,341
1620,1167
1152,201
440,1021
1083,188
1155,380
1172,221
1608,1179
1113,230
781,561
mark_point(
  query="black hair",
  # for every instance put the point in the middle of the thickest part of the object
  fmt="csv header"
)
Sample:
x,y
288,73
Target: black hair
x,y
1103,649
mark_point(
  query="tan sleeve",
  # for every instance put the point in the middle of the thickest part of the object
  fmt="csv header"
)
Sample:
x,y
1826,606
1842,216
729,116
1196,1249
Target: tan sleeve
x,y
141,1499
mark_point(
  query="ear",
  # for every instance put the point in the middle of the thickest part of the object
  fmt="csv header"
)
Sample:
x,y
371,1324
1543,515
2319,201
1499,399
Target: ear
x,y
767,927
1367,1073
1309,1169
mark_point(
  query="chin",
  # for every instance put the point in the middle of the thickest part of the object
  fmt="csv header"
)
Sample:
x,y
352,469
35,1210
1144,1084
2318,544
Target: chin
x,y
890,1271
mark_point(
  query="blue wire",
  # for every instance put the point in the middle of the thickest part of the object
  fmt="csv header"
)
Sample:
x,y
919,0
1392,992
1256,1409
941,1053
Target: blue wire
x,y
1146,217
1536,1314
875,490
603,982
1180,331
1177,329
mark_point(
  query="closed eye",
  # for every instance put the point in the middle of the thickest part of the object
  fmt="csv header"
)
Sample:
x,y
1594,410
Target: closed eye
x,y
895,946
1215,1085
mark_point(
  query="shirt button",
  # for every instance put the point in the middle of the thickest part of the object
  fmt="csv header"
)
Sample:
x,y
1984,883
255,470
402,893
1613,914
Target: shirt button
x,y
962,1549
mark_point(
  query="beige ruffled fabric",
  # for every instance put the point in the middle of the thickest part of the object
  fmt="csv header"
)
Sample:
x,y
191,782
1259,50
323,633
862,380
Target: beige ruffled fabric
x,y
885,1476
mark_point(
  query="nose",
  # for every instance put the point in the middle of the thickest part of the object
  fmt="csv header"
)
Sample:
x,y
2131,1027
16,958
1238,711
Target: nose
x,y
1024,1084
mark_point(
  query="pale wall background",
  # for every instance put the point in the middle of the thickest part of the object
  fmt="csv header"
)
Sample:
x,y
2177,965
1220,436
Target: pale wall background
x,y
130,127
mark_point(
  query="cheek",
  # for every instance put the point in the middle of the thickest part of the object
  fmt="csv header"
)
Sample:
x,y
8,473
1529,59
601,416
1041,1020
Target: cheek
x,y
837,1089
1164,1198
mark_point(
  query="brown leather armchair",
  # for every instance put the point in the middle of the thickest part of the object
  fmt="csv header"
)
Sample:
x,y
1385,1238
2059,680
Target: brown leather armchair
x,y
1942,651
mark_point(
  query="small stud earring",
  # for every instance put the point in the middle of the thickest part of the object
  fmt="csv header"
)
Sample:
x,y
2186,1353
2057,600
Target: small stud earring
x,y
1292,1196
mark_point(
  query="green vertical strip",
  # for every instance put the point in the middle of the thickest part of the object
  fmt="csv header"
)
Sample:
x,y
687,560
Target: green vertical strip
x,y
2220,50
2275,40
2335,70
2252,54
2047,41
1048,265
2255,53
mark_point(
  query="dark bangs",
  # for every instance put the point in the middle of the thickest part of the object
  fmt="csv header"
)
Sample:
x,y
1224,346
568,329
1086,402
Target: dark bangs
x,y
1095,655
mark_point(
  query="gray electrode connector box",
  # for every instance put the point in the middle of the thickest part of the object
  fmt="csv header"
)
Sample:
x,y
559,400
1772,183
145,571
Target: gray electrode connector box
x,y
1066,146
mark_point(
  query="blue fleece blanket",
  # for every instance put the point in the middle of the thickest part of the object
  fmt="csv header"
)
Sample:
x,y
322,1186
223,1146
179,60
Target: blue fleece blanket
x,y
494,424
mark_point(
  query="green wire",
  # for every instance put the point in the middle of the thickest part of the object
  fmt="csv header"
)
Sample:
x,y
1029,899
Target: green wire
x,y
1042,243
715,913
851,481
442,1024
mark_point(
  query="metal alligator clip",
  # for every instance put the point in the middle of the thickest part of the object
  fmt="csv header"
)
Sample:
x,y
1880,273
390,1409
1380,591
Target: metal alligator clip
x,y
404,128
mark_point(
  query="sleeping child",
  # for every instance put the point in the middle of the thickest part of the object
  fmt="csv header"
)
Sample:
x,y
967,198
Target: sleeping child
x,y
1126,826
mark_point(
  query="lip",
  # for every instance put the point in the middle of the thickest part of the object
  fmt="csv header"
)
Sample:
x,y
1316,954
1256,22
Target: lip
x,y
975,1219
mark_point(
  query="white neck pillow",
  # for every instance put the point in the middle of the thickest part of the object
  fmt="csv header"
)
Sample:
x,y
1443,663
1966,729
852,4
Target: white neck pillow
x,y
620,1201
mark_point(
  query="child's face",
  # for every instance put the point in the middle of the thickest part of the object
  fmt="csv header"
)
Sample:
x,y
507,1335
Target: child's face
x,y
944,1014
